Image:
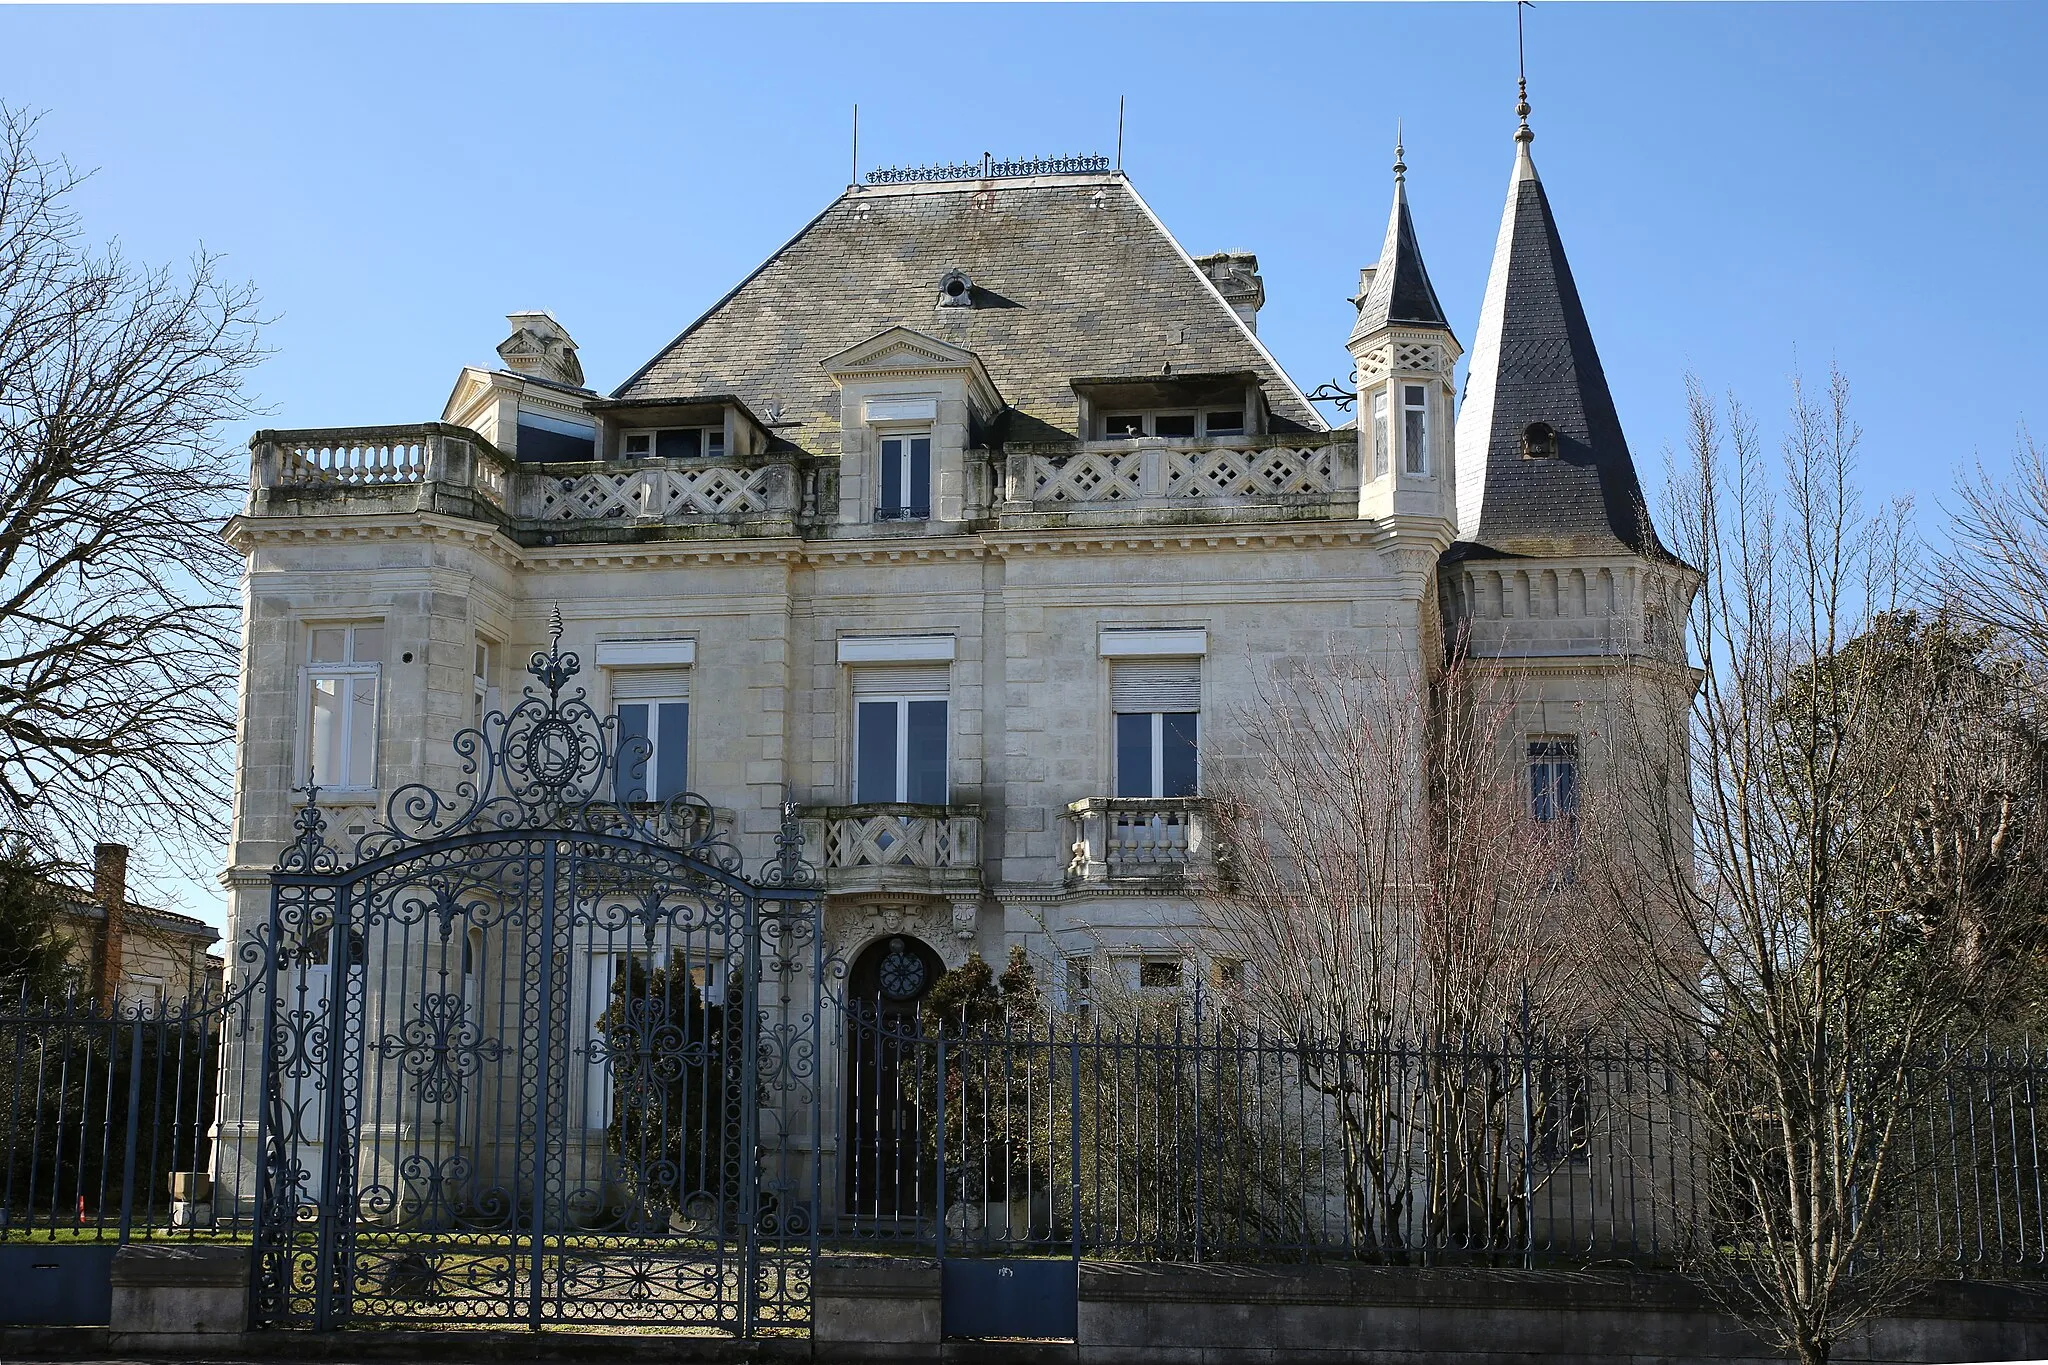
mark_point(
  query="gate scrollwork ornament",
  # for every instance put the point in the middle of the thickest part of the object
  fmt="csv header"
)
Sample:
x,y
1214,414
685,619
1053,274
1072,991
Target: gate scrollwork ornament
x,y
549,763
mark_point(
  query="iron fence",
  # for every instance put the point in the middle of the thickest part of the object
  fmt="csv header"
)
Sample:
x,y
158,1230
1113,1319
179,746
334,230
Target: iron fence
x,y
1135,1141
109,1119
1223,1142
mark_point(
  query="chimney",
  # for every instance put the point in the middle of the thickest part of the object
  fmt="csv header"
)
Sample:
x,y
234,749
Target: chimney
x,y
541,346
1236,276
110,891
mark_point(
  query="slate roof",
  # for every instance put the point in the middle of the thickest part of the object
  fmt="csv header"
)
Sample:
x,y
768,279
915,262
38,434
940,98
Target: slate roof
x,y
1073,275
1400,291
1533,360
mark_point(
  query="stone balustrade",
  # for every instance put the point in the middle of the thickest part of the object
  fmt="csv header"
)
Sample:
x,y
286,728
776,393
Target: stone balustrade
x,y
1313,474
434,466
439,467
933,850
1124,838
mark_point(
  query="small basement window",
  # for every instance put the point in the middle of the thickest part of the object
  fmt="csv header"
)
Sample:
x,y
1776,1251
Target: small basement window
x,y
1155,975
675,443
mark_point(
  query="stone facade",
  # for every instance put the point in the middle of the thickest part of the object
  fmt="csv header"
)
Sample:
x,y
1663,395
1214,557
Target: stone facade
x,y
994,444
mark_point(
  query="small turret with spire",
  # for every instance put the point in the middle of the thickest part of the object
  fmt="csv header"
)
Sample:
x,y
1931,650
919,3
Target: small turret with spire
x,y
1404,353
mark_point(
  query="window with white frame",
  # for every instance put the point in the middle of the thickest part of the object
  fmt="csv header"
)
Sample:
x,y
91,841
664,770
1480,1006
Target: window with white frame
x,y
1415,428
906,485
1157,705
340,735
1075,980
1379,434
1554,779
899,734
653,710
674,443
486,696
1173,422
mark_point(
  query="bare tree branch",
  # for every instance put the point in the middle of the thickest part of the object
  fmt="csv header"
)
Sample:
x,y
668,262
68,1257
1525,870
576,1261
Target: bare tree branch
x,y
118,624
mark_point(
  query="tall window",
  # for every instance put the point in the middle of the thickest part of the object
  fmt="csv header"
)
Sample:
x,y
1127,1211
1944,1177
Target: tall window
x,y
1379,434
1415,428
653,709
342,664
899,734
1554,779
1157,703
906,479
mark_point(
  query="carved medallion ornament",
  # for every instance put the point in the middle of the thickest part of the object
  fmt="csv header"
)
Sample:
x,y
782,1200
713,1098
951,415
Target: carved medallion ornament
x,y
902,972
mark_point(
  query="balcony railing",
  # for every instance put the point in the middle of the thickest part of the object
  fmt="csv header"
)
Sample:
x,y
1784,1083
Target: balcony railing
x,y
1307,473
433,466
932,849
1122,838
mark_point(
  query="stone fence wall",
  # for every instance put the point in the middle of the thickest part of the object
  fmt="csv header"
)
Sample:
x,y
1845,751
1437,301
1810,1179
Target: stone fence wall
x,y
872,1308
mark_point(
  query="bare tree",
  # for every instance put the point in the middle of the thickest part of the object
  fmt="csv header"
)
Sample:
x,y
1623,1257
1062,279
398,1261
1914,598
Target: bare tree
x,y
1996,574
1391,892
118,629
1831,891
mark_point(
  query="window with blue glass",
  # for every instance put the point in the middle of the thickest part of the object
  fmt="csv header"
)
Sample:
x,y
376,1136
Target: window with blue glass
x,y
906,491
1157,706
1554,779
899,734
653,711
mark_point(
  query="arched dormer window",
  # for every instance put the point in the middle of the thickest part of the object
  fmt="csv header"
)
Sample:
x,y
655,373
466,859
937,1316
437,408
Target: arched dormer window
x,y
1539,441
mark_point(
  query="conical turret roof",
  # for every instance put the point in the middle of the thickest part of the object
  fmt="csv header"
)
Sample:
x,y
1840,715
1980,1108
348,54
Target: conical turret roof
x,y
1534,366
1400,291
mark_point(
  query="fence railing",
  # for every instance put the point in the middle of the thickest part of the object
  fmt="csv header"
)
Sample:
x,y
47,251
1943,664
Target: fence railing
x,y
1167,1142
109,1120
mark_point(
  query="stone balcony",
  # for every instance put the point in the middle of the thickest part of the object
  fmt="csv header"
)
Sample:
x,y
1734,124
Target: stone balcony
x,y
437,467
919,850
452,471
1148,842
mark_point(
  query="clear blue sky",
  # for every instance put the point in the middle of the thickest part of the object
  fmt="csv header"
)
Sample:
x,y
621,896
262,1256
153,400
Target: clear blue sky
x,y
1742,188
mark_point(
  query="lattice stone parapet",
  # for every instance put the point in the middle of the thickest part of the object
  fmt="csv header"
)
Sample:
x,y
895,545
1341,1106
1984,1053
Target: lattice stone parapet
x,y
1143,839
658,492
1166,475
932,850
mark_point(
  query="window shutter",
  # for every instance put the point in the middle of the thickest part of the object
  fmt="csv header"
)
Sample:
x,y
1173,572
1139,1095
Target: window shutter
x,y
1155,685
650,684
900,680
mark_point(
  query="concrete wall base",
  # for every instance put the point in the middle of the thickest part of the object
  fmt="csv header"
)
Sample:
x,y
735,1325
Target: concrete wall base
x,y
883,1308
178,1296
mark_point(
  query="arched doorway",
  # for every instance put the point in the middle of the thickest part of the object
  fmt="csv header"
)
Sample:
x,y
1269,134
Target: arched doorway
x,y
887,1113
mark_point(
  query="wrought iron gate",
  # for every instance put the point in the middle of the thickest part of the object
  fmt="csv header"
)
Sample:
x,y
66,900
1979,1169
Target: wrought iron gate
x,y
535,1054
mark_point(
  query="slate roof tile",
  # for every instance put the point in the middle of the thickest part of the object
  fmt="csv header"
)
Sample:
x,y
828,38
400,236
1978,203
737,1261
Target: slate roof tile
x,y
1074,276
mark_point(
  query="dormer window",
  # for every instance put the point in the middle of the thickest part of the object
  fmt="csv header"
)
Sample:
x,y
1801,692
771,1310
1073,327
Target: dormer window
x,y
674,443
956,290
1539,441
1171,424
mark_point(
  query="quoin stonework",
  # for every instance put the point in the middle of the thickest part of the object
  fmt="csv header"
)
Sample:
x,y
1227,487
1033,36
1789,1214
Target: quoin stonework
x,y
967,522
